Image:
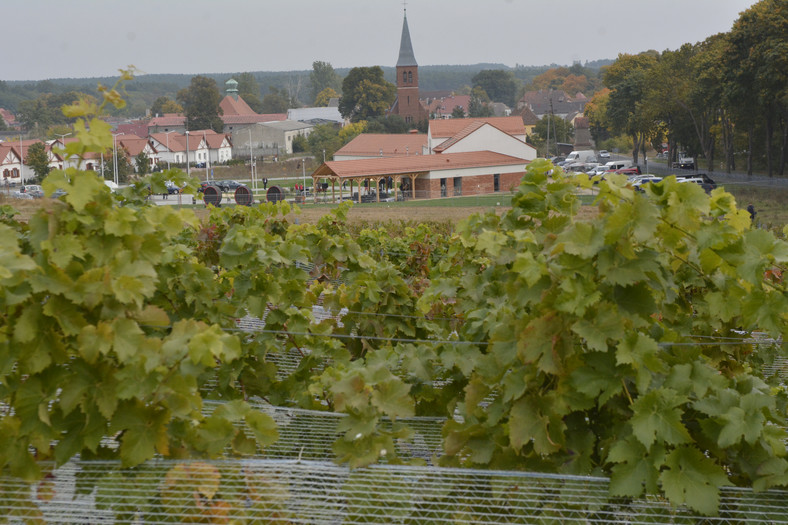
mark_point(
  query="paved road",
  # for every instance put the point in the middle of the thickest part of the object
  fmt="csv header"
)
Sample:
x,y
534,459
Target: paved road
x,y
721,177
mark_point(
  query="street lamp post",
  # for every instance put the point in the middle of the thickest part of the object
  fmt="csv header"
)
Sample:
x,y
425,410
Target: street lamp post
x,y
63,141
251,156
188,171
115,156
21,162
208,159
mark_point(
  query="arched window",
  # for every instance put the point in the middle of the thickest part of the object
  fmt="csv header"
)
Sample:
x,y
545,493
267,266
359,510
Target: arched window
x,y
410,77
404,77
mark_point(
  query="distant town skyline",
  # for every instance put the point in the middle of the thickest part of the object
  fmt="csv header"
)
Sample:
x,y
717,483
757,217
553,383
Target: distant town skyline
x,y
93,38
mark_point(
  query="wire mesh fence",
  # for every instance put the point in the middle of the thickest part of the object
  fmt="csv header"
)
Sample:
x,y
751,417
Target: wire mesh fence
x,y
292,491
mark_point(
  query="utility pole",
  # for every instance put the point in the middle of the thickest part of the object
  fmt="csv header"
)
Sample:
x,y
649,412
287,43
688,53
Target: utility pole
x,y
188,170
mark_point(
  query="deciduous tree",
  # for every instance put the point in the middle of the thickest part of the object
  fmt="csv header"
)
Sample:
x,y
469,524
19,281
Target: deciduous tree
x,y
249,90
627,79
479,106
324,97
366,94
163,105
276,101
323,77
200,103
500,85
37,159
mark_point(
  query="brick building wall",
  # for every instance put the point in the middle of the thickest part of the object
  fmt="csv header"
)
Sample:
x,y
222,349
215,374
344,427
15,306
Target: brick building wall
x,y
475,185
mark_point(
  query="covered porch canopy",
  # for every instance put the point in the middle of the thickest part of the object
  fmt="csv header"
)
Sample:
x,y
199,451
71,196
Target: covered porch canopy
x,y
343,171
402,169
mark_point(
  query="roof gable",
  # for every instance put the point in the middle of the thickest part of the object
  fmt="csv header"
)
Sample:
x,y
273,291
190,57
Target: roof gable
x,y
232,106
445,128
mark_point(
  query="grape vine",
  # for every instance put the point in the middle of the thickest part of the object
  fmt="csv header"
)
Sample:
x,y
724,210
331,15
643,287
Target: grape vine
x,y
602,346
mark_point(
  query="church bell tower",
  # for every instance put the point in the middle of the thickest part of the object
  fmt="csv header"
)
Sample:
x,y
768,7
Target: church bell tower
x,y
407,104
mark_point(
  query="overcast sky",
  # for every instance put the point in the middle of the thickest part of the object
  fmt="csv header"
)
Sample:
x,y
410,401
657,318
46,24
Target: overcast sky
x,y
86,38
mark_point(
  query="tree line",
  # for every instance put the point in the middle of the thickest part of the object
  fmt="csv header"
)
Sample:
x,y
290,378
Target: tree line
x,y
724,99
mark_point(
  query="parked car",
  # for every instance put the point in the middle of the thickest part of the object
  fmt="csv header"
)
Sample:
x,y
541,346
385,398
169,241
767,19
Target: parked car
x,y
172,188
30,191
604,154
632,170
702,179
228,185
642,180
597,170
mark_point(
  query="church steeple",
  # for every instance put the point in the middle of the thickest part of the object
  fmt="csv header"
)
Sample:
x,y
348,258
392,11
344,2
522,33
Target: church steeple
x,y
407,104
406,57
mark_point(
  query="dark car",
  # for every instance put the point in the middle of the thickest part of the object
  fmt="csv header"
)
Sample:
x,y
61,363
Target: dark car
x,y
228,185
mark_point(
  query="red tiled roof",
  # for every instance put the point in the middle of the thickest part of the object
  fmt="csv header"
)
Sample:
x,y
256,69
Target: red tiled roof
x,y
381,166
138,127
7,116
450,127
371,145
529,117
253,118
133,144
231,106
445,106
169,119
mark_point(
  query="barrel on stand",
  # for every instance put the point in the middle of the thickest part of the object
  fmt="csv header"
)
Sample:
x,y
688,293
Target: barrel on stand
x,y
212,195
275,194
243,196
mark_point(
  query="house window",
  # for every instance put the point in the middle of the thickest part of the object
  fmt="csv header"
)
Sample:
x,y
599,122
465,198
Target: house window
x,y
457,186
497,182
443,187
410,77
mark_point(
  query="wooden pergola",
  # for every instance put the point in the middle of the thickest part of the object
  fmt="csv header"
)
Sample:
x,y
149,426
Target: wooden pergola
x,y
380,180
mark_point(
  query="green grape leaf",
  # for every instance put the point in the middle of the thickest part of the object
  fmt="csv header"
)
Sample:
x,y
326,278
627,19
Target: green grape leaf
x,y
657,417
693,479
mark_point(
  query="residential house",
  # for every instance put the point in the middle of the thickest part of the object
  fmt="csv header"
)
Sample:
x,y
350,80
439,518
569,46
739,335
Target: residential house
x,y
480,135
444,107
554,102
10,165
441,130
167,122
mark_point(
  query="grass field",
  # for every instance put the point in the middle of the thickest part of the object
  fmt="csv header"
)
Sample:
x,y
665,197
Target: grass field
x,y
771,204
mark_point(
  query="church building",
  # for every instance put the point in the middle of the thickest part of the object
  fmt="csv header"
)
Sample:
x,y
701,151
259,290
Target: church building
x,y
407,104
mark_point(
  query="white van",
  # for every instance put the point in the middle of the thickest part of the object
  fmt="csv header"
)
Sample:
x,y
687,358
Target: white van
x,y
614,165
585,156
